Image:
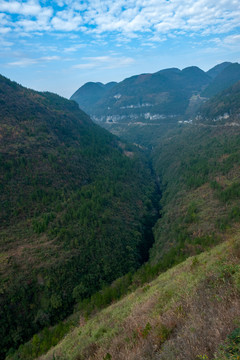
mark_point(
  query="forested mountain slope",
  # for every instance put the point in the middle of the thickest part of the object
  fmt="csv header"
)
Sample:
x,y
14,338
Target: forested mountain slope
x,y
199,169
90,93
75,209
213,72
222,108
224,79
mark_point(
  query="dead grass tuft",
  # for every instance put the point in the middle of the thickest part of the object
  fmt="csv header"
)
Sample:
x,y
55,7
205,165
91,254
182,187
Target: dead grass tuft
x,y
89,352
142,335
211,316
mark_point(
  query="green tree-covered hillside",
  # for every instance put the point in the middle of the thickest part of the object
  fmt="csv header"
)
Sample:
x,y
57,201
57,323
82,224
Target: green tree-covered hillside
x,y
76,205
223,107
225,78
198,167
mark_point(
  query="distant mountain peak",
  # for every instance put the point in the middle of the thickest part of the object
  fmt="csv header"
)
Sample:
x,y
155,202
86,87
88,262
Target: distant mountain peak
x,y
91,84
169,70
213,72
192,69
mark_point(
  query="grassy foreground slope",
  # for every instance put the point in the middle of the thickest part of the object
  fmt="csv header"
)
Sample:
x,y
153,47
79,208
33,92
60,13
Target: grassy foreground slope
x,y
76,204
186,313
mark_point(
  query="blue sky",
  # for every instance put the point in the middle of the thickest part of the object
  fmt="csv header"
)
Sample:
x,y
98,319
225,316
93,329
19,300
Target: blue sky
x,y
59,45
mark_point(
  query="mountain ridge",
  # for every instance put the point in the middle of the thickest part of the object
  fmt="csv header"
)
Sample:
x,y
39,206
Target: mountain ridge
x,y
213,72
166,96
133,89
223,107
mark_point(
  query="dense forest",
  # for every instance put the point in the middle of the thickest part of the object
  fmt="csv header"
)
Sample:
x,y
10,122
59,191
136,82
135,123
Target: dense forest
x,y
76,208
198,167
225,103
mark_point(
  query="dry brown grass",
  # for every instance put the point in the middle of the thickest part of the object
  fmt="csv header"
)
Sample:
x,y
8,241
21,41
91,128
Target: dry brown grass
x,y
211,317
194,327
141,335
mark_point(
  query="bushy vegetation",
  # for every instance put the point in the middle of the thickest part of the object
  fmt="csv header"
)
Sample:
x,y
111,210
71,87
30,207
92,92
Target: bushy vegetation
x,y
43,341
231,348
88,307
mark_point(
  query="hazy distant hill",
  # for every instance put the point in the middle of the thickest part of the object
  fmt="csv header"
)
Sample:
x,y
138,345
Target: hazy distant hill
x,y
213,72
224,106
165,92
73,209
227,77
155,97
90,93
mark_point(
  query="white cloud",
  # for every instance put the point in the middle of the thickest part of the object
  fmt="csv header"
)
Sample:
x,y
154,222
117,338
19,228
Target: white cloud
x,y
6,44
29,8
232,40
124,17
50,58
25,62
104,62
5,30
28,16
85,66
74,48
66,20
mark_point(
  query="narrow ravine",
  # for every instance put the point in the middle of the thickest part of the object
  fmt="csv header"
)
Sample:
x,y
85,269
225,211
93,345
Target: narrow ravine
x,y
150,220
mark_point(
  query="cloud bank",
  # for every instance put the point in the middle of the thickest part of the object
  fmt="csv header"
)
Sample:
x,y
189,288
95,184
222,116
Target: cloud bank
x,y
104,62
128,18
